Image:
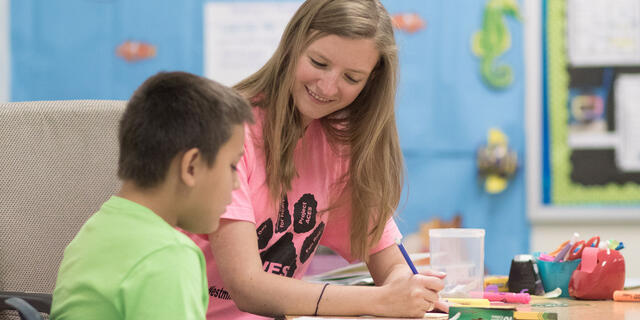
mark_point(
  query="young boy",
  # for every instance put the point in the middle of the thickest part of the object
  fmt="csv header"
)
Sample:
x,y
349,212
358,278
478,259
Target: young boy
x,y
180,137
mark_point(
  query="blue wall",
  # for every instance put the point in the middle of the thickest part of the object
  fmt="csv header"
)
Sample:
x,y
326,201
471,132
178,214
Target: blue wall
x,y
444,113
66,50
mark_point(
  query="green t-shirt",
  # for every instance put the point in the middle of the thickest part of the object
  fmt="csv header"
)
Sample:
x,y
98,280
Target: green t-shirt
x,y
128,263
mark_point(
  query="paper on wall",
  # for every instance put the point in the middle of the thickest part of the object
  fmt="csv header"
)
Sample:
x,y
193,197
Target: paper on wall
x,y
627,99
603,32
239,37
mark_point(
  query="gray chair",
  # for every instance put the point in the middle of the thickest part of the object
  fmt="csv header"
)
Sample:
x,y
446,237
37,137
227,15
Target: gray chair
x,y
58,163
25,310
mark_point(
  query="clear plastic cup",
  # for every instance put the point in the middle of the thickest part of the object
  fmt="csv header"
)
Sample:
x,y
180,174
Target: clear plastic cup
x,y
459,252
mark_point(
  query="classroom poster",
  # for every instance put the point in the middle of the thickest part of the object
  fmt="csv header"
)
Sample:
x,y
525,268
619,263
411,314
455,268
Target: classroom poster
x,y
592,82
228,29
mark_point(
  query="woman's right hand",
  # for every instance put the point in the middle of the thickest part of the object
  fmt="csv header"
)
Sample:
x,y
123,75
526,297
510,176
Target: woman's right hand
x,y
412,295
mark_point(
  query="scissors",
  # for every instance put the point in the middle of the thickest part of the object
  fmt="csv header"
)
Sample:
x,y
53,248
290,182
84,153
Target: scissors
x,y
576,250
557,250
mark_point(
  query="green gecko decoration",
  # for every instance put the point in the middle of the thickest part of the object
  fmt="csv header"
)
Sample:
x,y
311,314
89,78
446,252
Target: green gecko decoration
x,y
494,40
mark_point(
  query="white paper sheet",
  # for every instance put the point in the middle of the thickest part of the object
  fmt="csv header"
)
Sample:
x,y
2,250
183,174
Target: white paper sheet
x,y
239,37
603,32
627,98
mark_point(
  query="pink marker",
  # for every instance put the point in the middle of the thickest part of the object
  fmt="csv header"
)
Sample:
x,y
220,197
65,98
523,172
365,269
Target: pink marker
x,y
507,297
546,257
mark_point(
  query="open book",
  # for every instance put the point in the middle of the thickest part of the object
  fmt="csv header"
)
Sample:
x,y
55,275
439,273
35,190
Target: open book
x,y
358,274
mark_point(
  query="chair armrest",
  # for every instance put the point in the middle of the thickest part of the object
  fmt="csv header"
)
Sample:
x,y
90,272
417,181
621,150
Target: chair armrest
x,y
40,301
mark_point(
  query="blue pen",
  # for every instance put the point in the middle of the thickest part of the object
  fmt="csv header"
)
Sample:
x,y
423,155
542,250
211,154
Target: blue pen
x,y
406,256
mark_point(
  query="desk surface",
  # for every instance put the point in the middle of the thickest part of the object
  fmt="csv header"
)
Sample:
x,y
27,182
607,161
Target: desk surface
x,y
574,309
587,309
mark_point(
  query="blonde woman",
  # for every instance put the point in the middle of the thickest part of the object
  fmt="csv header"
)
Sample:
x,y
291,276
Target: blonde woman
x,y
322,165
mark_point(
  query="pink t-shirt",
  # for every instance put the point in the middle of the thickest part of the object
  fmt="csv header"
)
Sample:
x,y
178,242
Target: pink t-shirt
x,y
289,235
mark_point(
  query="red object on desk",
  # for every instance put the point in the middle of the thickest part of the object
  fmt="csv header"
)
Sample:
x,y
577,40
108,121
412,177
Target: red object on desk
x,y
599,274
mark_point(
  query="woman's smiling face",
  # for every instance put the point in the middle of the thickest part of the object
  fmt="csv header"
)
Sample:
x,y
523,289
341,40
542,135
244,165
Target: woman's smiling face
x,y
330,74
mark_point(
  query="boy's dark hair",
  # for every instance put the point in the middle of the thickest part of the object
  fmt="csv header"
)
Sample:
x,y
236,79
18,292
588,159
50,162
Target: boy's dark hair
x,y
172,112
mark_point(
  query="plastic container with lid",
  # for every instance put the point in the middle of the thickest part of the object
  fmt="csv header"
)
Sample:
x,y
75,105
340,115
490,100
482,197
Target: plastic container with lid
x,y
459,252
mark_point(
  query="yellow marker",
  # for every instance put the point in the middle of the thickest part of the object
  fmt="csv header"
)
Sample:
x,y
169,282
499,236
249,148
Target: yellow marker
x,y
470,302
499,281
534,315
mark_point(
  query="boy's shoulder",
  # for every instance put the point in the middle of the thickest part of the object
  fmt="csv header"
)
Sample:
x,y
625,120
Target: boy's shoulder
x,y
124,248
124,216
123,228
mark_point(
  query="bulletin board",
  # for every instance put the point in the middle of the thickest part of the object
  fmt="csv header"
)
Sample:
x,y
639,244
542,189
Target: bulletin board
x,y
590,114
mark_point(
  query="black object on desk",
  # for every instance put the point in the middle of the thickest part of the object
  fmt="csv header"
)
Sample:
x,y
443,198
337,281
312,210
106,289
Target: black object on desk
x,y
524,275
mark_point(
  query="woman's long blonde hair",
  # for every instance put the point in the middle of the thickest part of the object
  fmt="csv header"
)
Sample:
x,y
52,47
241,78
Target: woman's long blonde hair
x,y
367,126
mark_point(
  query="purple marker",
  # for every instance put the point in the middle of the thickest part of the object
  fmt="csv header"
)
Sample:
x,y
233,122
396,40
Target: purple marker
x,y
406,256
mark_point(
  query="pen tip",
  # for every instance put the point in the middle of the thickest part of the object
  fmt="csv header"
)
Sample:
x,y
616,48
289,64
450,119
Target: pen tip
x,y
398,241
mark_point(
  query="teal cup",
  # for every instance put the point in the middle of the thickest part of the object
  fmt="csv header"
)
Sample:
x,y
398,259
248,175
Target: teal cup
x,y
557,274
